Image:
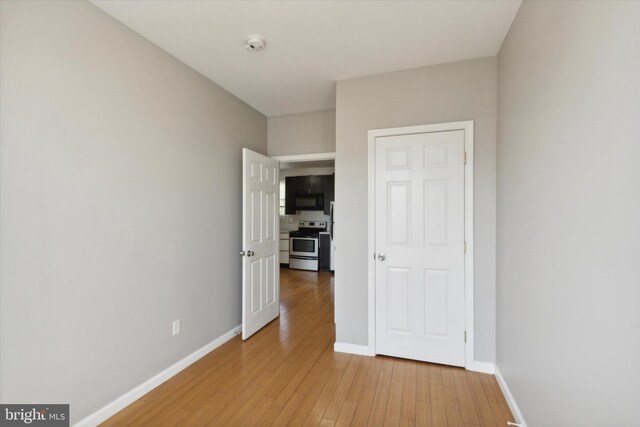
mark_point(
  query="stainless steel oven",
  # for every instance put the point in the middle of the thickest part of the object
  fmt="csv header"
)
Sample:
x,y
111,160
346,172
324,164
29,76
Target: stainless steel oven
x,y
303,253
303,245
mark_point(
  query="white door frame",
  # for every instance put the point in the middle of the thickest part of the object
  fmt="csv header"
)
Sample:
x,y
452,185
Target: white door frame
x,y
305,157
467,127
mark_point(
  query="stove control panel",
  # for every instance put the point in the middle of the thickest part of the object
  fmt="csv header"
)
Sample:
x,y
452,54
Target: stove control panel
x,y
313,224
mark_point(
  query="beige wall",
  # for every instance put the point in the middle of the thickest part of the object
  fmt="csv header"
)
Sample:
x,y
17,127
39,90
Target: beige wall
x,y
569,213
304,133
451,92
120,175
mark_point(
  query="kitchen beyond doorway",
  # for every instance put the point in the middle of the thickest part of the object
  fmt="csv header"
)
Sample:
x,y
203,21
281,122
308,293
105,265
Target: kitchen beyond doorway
x,y
307,192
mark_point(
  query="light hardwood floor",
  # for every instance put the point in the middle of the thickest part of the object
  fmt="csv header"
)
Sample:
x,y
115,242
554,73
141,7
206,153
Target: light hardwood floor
x,y
288,374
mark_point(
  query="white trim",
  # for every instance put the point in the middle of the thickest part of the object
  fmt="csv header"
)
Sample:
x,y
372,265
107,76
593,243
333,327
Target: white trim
x,y
131,396
484,367
511,401
467,126
468,238
305,157
362,350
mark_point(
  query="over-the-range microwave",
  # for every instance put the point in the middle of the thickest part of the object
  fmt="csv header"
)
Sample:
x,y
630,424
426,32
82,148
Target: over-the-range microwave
x,y
309,202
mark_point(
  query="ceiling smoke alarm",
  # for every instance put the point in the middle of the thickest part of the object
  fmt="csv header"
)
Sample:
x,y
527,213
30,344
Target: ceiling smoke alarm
x,y
254,43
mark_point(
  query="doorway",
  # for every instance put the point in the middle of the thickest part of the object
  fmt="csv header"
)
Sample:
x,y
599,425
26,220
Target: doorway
x,y
307,189
421,243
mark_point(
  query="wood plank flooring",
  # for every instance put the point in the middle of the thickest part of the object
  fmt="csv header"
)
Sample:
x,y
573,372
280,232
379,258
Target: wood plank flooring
x,y
288,374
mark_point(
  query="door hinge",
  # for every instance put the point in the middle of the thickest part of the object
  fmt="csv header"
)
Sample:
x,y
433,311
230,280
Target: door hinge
x,y
465,336
465,247
465,157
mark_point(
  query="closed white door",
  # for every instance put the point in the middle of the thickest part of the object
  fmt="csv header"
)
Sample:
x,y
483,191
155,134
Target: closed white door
x,y
419,239
260,237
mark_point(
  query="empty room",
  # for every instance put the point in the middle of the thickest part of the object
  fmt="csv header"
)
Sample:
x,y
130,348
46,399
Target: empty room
x,y
320,212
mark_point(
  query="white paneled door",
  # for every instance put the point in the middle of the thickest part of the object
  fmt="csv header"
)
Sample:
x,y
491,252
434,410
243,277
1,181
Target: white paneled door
x,y
419,241
260,236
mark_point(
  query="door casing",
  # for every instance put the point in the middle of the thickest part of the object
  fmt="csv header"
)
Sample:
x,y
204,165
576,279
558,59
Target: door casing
x,y
467,127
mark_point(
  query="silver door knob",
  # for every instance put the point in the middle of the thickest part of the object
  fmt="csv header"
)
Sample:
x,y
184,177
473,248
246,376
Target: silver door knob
x,y
250,253
381,257
242,253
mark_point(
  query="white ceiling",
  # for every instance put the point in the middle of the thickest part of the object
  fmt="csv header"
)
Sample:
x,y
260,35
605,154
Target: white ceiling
x,y
312,44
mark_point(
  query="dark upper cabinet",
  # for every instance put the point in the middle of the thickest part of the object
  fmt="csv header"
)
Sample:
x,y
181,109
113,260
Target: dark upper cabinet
x,y
290,195
316,184
329,193
293,186
301,184
313,184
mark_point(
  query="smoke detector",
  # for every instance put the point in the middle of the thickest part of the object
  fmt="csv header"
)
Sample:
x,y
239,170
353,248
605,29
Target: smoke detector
x,y
254,43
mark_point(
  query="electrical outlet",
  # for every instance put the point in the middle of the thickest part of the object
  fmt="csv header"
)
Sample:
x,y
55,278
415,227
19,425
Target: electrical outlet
x,y
176,327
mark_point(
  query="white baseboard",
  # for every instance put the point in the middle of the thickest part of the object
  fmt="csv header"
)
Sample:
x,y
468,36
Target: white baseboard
x,y
484,367
131,396
511,401
362,350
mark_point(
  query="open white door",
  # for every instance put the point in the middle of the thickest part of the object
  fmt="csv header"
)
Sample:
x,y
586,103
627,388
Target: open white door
x,y
260,235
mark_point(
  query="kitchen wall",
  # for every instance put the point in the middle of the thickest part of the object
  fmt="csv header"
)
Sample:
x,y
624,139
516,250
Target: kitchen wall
x,y
444,93
305,133
118,165
568,213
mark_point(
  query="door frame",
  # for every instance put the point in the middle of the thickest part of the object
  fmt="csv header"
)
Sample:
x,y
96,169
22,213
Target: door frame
x,y
298,158
467,127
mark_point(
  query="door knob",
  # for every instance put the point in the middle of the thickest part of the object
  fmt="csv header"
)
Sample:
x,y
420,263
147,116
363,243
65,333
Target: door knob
x,y
250,253
381,256
242,253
